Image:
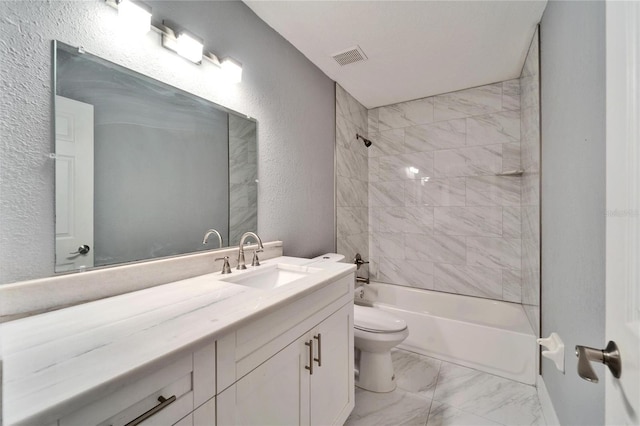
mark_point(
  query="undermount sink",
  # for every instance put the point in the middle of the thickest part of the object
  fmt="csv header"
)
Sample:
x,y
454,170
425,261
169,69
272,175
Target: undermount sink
x,y
271,276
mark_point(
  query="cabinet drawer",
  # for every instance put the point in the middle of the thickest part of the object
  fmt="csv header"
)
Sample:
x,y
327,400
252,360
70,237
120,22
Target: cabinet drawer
x,y
134,399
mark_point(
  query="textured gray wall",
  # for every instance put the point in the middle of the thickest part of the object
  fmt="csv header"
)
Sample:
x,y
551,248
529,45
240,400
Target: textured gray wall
x,y
292,100
572,49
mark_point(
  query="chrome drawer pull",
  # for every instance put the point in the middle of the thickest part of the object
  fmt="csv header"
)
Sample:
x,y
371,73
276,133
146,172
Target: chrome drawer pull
x,y
164,403
310,367
319,359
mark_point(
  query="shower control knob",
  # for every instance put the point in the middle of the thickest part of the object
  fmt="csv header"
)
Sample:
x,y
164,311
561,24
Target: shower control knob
x,y
358,260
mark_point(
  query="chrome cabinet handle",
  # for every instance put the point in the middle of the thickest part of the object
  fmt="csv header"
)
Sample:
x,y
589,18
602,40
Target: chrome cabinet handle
x,y
319,359
310,366
164,403
83,249
609,356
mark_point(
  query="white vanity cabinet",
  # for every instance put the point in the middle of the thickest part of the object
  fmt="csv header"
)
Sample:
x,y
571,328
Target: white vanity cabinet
x,y
309,381
218,355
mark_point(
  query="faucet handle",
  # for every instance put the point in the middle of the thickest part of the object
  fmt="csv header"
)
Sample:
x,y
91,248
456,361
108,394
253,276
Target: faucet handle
x,y
226,268
256,261
359,261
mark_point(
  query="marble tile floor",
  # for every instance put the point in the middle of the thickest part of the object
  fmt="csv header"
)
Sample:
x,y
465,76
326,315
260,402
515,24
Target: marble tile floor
x,y
437,393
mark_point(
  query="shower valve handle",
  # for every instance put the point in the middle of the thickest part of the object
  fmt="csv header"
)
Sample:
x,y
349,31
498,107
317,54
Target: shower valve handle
x,y
358,260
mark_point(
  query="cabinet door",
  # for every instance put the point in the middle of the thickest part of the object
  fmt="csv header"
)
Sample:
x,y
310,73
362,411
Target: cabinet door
x,y
275,393
332,388
187,421
205,415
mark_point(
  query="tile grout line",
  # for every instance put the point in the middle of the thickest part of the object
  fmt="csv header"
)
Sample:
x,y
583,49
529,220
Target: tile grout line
x,y
433,397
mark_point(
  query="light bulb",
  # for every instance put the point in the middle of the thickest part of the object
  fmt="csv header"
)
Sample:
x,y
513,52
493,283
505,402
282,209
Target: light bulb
x,y
189,47
136,17
231,70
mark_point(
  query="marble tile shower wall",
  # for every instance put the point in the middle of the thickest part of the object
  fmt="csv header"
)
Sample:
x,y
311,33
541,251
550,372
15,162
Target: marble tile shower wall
x,y
440,217
243,189
530,140
352,219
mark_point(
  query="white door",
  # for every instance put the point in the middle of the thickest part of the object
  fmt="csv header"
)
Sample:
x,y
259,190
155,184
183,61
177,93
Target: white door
x,y
74,184
623,208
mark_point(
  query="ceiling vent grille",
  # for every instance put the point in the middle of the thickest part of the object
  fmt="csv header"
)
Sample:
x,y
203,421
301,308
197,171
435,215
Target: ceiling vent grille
x,y
349,56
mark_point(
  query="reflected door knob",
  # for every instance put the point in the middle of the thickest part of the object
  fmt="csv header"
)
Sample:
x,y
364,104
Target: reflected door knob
x,y
83,249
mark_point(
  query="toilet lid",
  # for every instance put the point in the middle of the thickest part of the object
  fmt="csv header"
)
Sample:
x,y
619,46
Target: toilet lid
x,y
376,320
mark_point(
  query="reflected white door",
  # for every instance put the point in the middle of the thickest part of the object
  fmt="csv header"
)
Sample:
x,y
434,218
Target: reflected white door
x,y
74,184
623,208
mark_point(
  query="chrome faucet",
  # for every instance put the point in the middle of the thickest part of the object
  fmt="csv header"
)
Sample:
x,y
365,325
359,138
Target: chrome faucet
x,y
260,248
209,232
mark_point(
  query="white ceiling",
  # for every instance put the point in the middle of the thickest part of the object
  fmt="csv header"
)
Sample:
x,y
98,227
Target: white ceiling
x,y
414,48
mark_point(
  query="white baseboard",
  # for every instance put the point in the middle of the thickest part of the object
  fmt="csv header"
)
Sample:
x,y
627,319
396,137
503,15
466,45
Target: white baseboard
x,y
547,406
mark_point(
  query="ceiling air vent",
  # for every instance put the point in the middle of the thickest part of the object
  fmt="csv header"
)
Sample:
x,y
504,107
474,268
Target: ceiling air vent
x,y
349,56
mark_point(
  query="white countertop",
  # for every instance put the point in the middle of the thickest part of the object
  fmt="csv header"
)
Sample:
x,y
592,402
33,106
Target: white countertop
x,y
66,358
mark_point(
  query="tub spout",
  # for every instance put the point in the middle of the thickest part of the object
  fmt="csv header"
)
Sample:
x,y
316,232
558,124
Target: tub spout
x,y
362,280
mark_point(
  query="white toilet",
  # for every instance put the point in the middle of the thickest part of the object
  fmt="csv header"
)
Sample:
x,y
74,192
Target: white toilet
x,y
376,332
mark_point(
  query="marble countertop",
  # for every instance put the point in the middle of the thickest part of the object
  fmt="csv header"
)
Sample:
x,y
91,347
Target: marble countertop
x,y
58,361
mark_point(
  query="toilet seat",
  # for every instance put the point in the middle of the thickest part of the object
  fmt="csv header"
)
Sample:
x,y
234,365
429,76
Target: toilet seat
x,y
376,321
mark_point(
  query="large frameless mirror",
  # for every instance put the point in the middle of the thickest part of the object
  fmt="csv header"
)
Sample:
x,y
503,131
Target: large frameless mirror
x,y
144,169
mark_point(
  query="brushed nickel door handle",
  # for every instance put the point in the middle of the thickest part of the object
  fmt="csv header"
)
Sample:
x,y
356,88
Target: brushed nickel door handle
x,y
310,367
83,249
319,359
164,403
609,356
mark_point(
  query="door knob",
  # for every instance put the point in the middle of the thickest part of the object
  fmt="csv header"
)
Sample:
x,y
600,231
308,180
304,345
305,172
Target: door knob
x,y
83,249
609,356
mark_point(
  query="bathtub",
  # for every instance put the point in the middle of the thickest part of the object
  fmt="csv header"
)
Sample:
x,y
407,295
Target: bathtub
x,y
487,335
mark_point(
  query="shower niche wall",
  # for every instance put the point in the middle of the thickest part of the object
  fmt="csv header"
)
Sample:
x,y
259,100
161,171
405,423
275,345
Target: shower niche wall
x,y
452,189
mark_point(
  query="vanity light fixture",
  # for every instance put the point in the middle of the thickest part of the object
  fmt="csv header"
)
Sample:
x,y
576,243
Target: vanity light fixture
x,y
189,47
136,16
183,43
230,69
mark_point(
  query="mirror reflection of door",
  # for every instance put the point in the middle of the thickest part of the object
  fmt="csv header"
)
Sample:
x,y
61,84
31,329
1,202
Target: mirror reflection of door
x,y
74,184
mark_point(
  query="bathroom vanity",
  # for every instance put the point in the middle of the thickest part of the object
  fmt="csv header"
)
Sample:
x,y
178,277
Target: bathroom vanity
x,y
272,344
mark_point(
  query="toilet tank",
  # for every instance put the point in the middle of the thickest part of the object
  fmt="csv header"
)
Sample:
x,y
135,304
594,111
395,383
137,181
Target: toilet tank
x,y
327,257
